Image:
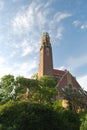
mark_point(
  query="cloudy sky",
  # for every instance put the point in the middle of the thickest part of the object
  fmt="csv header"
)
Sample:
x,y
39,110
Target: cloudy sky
x,y
22,23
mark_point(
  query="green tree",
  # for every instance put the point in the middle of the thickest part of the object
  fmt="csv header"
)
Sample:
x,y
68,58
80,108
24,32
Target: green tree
x,y
20,88
84,122
32,116
76,99
40,91
71,118
26,88
34,76
47,91
48,81
6,87
7,81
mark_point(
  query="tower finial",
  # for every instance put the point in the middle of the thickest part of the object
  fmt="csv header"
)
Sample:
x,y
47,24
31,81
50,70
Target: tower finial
x,y
45,38
46,34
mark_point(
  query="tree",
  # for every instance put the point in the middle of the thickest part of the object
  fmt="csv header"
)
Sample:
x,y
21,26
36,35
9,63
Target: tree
x,y
26,88
84,123
71,118
34,76
33,90
33,116
47,91
7,81
7,85
40,91
76,99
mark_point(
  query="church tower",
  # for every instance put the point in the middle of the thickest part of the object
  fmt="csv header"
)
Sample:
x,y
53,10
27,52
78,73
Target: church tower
x,y
46,61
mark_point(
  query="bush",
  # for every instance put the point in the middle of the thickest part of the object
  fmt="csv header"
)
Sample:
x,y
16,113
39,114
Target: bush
x,y
72,119
27,116
84,122
23,115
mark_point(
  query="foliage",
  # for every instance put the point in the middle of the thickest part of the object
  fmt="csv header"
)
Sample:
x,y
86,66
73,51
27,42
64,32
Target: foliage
x,y
57,104
28,116
75,99
47,91
6,87
34,76
72,119
26,82
39,91
48,81
83,119
20,88
24,115
39,115
7,81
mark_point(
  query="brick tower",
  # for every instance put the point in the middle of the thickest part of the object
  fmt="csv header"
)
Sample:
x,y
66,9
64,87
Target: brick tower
x,y
46,61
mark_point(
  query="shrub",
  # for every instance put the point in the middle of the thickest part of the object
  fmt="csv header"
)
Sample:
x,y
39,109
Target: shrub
x,y
27,116
83,122
23,115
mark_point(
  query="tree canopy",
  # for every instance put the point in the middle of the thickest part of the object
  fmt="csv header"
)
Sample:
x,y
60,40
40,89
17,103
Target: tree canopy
x,y
32,116
20,88
28,104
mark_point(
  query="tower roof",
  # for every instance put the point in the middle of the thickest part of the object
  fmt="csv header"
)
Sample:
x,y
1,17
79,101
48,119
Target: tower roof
x,y
58,72
45,34
45,39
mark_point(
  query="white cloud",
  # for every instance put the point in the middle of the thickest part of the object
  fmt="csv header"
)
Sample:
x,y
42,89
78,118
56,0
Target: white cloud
x,y
28,24
26,47
36,16
83,81
80,24
76,23
21,23
26,51
56,26
28,66
57,19
48,3
60,16
59,32
24,68
29,18
61,68
84,26
32,20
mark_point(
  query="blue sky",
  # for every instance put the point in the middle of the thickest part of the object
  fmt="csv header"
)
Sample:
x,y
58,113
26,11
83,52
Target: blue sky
x,y
22,23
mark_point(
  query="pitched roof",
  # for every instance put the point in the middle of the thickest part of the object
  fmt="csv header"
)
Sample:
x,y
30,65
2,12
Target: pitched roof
x,y
67,79
58,72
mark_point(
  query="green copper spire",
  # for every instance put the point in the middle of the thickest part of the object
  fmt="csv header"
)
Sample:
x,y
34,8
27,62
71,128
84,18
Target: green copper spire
x,y
46,34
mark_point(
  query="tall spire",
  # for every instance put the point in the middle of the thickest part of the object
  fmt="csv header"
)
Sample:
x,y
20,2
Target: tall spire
x,y
46,62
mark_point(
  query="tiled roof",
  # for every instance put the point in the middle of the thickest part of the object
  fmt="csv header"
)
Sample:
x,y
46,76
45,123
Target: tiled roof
x,y
68,79
58,72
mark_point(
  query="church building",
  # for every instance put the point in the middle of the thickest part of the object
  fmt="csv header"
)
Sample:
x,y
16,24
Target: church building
x,y
64,78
